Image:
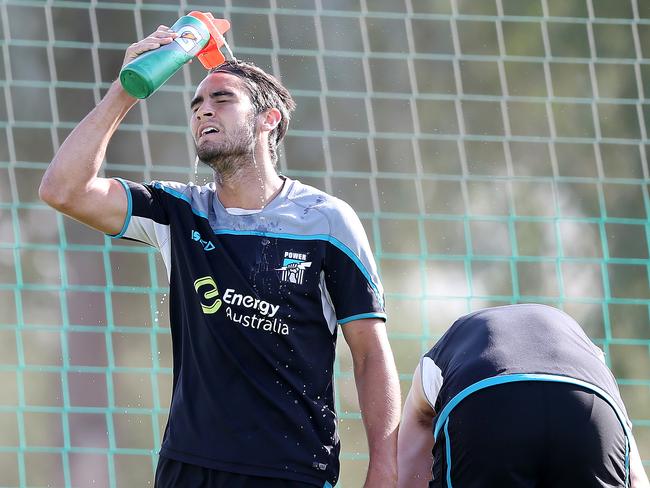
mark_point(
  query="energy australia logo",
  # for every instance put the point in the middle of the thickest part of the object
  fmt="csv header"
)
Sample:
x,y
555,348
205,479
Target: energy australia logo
x,y
293,267
245,310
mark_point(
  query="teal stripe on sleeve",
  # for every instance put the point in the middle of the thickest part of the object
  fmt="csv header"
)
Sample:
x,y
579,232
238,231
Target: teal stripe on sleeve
x,y
129,209
360,316
627,461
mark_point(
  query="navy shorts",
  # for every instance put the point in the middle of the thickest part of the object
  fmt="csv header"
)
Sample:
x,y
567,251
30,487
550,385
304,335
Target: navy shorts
x,y
176,474
531,434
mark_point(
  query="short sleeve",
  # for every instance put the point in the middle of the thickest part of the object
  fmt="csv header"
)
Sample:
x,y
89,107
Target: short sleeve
x,y
431,380
146,219
350,270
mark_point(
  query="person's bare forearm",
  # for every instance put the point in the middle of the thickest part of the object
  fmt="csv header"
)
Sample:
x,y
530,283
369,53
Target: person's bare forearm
x,y
415,459
78,160
71,184
379,400
638,476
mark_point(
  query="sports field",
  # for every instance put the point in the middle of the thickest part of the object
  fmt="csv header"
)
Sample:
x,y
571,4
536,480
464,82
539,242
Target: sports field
x,y
496,151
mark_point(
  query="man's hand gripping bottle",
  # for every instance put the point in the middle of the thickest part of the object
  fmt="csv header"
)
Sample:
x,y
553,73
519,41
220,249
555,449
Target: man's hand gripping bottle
x,y
200,35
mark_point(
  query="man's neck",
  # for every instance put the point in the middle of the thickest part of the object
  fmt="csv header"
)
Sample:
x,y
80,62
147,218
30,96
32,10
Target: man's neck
x,y
251,188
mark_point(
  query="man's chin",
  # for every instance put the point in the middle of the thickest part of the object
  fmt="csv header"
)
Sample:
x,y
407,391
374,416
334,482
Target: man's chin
x,y
222,162
209,152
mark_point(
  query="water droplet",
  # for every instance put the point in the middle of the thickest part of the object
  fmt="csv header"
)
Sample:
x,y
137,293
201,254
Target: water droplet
x,y
228,50
261,180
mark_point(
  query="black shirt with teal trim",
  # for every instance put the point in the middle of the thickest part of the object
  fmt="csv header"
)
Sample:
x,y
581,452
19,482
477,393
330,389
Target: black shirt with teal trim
x,y
524,339
255,298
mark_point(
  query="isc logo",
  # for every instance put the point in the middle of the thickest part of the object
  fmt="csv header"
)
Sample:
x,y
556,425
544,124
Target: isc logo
x,y
207,245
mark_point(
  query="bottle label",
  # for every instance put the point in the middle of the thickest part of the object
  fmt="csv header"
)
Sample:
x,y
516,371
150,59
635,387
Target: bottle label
x,y
188,38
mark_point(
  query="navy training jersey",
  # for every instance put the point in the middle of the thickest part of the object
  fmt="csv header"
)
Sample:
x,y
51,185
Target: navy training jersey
x,y
255,298
512,340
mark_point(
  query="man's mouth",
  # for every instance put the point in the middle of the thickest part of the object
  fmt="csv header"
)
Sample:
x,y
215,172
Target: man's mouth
x,y
208,130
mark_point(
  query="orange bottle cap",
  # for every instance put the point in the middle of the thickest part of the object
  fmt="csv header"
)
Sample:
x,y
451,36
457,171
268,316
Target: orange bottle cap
x,y
210,56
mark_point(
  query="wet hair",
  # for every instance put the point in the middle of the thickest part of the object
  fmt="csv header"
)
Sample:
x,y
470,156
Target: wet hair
x,y
265,92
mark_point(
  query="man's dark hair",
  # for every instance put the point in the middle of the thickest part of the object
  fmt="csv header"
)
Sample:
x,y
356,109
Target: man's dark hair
x,y
265,92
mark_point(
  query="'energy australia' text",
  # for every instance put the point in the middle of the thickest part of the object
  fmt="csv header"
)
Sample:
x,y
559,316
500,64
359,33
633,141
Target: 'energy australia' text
x,y
262,316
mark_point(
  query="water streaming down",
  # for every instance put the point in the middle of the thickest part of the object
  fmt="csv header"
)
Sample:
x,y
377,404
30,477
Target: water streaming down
x,y
230,57
262,201
258,170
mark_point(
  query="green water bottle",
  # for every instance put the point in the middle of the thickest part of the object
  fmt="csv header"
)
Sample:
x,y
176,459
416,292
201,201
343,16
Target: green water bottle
x,y
199,35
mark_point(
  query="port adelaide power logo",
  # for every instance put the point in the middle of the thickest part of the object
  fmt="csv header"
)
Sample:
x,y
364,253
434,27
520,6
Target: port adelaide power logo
x,y
293,267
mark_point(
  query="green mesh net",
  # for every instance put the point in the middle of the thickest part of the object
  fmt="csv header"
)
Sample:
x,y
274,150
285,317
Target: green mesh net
x,y
496,152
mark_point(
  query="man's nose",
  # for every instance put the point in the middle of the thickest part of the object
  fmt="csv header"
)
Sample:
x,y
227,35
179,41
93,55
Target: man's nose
x,y
205,112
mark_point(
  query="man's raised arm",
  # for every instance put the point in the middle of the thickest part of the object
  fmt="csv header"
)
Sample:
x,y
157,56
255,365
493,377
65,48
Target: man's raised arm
x,y
71,184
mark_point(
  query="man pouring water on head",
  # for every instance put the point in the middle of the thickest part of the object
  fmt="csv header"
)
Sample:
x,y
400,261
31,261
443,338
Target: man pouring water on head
x,y
252,402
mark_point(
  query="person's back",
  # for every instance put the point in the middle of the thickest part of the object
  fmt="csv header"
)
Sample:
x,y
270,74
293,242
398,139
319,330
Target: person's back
x,y
515,396
514,340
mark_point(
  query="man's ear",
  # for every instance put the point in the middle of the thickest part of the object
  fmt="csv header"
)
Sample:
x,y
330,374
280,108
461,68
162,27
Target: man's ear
x,y
270,119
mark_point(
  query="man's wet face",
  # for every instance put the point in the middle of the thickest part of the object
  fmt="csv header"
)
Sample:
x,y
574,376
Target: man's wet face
x,y
222,121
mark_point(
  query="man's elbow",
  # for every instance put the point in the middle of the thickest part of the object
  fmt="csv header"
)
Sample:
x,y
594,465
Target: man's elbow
x,y
48,194
52,195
